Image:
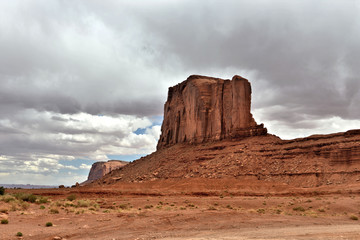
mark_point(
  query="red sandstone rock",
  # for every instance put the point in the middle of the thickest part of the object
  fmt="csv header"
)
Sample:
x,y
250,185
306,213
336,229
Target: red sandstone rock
x,y
204,109
100,169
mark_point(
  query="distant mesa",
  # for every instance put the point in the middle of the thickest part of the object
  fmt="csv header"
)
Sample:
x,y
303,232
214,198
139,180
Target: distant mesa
x,y
100,169
202,109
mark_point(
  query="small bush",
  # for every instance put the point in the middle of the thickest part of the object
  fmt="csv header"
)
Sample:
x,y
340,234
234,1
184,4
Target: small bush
x,y
71,197
54,211
42,200
25,206
4,221
26,197
2,190
300,209
48,224
8,198
84,203
148,206
123,206
42,207
353,217
19,234
261,210
321,210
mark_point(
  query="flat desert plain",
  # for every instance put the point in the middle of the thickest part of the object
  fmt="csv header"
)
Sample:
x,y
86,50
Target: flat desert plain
x,y
183,209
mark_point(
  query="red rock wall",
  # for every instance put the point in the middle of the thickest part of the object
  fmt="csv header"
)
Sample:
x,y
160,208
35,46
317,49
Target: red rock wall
x,y
204,109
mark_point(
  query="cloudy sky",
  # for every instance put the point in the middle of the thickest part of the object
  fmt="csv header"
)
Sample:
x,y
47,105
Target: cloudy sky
x,y
85,81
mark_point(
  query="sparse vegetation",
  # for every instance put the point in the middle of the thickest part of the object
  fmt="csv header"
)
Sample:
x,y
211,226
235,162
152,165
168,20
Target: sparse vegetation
x,y
148,206
49,224
300,209
42,207
26,197
4,221
42,200
54,211
7,198
25,205
19,234
321,210
2,190
260,210
353,217
71,197
123,206
84,203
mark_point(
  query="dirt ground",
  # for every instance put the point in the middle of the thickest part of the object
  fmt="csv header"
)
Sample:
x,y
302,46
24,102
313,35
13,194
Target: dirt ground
x,y
187,210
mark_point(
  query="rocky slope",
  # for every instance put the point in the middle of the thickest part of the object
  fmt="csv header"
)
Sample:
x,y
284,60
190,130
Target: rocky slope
x,y
307,162
208,132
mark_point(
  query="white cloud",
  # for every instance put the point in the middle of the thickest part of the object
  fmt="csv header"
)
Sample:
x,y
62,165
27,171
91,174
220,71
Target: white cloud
x,y
85,166
77,79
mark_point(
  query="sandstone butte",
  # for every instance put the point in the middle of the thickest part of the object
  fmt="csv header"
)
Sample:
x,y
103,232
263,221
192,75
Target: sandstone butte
x,y
204,109
100,169
208,132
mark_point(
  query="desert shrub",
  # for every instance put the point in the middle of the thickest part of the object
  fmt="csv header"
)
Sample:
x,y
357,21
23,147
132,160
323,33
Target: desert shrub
x,y
353,217
27,197
19,234
54,211
261,210
13,207
123,206
42,200
321,210
7,198
212,208
42,207
84,203
48,224
300,209
25,205
148,206
4,221
71,197
61,186
2,190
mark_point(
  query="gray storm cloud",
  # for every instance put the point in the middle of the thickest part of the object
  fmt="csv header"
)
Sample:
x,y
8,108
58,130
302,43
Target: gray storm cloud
x,y
66,64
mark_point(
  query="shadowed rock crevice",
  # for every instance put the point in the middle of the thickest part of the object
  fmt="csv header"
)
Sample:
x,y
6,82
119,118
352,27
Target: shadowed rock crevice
x,y
203,109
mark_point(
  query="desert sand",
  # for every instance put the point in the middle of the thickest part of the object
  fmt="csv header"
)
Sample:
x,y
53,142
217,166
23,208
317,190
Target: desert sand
x,y
177,210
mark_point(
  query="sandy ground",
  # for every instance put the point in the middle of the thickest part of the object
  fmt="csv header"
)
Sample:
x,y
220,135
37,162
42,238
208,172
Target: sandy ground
x,y
113,214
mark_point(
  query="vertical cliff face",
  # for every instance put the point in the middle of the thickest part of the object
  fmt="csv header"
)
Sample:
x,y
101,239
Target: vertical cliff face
x,y
204,109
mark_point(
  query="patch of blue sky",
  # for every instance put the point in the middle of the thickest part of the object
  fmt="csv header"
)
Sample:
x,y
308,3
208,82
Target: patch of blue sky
x,y
156,121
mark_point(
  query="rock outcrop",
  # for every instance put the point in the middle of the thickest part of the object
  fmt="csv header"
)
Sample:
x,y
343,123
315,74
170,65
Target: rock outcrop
x,y
203,109
100,169
304,162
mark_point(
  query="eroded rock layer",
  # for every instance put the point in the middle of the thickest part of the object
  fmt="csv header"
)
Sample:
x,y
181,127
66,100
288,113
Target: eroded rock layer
x,y
204,109
307,162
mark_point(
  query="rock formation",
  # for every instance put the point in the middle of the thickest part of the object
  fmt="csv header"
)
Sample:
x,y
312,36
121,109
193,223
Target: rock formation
x,y
305,162
100,169
216,113
204,109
